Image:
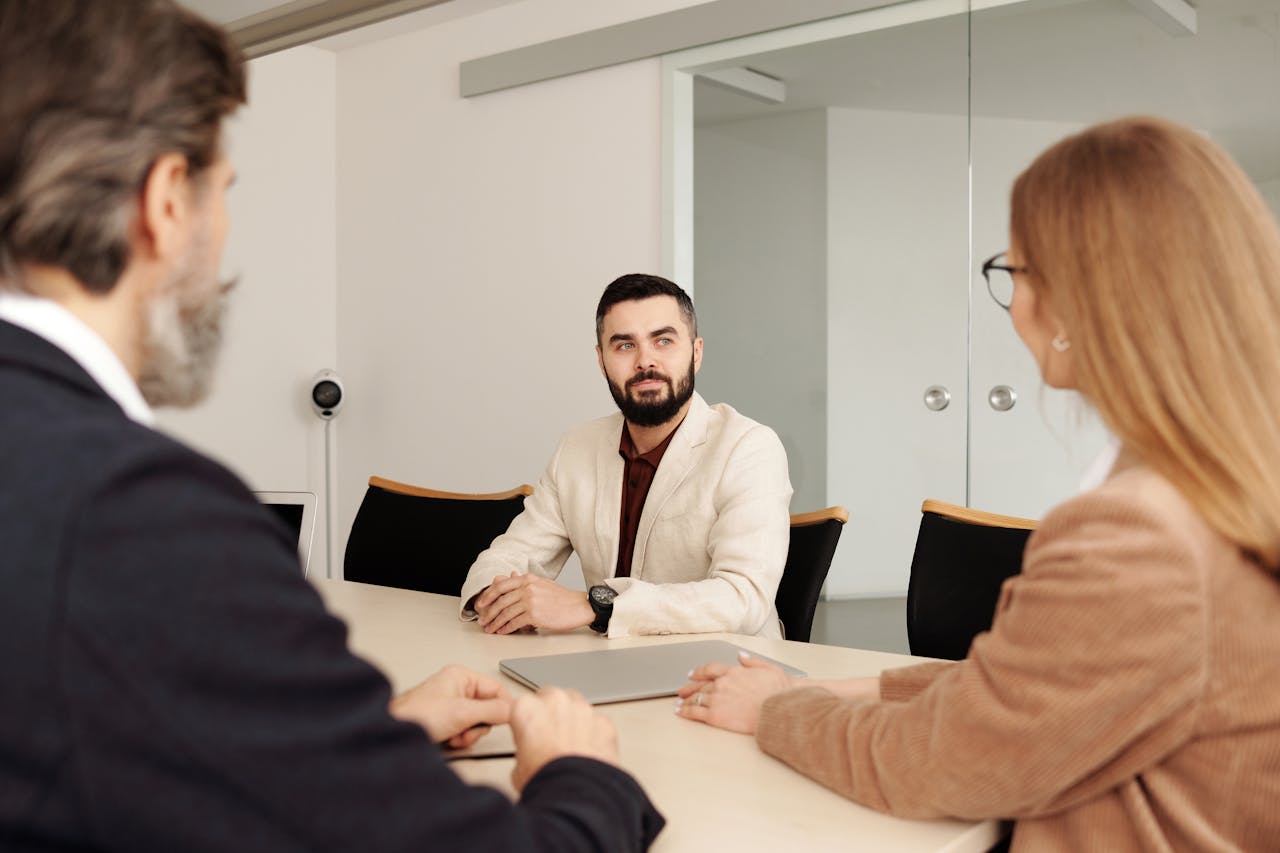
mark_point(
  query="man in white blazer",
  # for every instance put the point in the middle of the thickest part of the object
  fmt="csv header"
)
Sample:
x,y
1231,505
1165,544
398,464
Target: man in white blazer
x,y
679,511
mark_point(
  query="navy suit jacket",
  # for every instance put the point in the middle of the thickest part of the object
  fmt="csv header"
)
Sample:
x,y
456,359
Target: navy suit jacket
x,y
168,681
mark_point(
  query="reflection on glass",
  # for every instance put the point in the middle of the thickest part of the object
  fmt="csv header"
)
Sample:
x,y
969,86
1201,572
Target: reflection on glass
x,y
839,236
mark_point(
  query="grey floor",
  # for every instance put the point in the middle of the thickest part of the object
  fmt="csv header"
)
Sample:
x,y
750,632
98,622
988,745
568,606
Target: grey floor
x,y
862,623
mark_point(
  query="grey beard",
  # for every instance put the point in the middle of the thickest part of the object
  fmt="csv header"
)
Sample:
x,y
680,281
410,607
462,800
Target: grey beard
x,y
182,344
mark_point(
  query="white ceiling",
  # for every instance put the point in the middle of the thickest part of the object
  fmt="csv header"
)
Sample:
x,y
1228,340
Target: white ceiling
x,y
226,11
1045,59
1066,60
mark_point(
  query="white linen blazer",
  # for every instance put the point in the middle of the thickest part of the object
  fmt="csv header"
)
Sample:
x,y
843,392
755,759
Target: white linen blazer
x,y
712,539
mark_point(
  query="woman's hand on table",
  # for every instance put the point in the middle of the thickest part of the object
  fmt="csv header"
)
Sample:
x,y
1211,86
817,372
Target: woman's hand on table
x,y
729,697
456,706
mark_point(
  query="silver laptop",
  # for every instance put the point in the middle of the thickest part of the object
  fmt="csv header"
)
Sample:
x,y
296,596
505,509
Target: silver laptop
x,y
619,675
298,512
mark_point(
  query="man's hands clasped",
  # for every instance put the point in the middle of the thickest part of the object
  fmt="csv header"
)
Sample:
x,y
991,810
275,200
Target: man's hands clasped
x,y
457,707
554,723
518,602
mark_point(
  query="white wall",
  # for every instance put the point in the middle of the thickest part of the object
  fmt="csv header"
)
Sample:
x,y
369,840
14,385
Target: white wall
x,y
475,237
455,287
446,255
760,261
281,326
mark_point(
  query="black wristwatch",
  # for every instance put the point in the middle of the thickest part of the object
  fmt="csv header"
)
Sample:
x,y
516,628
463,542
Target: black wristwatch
x,y
601,597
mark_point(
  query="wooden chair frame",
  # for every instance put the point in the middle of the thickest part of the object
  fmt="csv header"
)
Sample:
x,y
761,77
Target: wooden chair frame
x,y
804,519
417,491
977,516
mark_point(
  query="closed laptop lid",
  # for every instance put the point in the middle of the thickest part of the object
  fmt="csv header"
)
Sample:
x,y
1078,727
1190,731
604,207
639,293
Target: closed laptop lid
x,y
619,675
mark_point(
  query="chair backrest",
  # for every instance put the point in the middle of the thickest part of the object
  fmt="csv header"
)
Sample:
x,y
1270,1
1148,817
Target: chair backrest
x,y
413,538
963,556
814,536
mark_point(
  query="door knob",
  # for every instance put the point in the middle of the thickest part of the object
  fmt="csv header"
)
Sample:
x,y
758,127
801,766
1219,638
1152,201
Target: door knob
x,y
936,398
1002,398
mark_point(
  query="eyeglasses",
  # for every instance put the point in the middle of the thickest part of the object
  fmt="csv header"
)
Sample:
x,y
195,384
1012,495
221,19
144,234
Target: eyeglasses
x,y
999,278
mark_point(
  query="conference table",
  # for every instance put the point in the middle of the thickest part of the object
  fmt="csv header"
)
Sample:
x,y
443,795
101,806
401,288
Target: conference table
x,y
717,790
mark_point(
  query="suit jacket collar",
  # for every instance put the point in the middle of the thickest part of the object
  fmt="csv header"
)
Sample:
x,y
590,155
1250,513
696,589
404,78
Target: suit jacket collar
x,y
71,334
29,352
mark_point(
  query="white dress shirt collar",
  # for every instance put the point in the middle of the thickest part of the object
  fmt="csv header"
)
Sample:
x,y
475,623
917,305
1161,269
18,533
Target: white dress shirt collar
x,y
73,336
1101,468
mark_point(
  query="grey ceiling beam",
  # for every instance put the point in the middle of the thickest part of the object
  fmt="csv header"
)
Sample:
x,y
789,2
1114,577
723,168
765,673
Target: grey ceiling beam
x,y
656,35
305,21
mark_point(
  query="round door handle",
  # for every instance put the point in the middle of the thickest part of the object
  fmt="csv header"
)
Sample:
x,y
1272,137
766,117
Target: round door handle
x,y
1002,398
936,398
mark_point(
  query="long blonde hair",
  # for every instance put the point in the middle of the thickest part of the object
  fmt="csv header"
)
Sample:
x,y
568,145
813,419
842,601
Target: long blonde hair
x,y
1162,262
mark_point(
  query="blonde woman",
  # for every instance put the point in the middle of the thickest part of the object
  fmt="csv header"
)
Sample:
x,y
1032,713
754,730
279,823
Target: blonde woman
x,y
1128,695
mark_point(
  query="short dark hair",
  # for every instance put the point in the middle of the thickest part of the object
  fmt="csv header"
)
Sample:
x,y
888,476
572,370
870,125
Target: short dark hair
x,y
637,285
92,93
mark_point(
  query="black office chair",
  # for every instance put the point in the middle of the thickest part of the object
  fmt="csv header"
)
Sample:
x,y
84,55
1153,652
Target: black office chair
x,y
413,538
814,536
962,558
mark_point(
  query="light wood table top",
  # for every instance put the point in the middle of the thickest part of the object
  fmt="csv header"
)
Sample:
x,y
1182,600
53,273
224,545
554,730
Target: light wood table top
x,y
717,790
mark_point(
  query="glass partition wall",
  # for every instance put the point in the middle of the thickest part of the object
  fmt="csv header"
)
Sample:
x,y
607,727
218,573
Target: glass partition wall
x,y
832,190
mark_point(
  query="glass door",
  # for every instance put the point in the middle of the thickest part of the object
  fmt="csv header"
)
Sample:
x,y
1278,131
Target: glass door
x,y
832,190
1043,69
830,248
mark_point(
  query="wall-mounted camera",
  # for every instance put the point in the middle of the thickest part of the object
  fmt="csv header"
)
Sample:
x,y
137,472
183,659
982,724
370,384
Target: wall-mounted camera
x,y
326,394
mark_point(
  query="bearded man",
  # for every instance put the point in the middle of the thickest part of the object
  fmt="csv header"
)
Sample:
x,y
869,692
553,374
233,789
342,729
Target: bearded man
x,y
679,511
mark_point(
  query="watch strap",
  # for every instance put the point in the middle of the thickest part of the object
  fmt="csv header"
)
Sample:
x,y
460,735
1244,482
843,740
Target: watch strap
x,y
601,597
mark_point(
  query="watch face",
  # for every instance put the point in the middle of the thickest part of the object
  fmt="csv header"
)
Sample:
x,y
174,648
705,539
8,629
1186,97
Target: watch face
x,y
603,595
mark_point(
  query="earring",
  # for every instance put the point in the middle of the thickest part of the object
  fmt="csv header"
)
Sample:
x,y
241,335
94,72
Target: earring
x,y
1060,343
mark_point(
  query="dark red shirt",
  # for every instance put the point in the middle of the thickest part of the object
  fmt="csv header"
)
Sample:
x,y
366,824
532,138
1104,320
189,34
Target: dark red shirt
x,y
637,476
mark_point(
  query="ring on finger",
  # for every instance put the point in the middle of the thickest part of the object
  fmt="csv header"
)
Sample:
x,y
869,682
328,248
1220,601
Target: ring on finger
x,y
697,698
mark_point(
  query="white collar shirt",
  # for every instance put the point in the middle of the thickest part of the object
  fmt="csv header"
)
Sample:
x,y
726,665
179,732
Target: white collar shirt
x,y
1100,470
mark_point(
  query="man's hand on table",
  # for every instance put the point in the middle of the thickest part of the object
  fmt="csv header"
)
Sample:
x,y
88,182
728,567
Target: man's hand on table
x,y
554,723
456,706
518,602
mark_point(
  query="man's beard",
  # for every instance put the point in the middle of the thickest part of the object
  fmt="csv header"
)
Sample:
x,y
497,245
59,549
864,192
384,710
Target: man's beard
x,y
184,332
652,410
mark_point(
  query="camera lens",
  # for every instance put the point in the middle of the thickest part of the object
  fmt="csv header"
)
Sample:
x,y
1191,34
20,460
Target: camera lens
x,y
326,394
